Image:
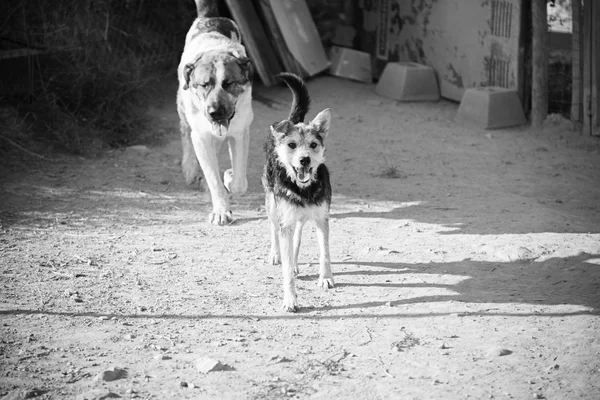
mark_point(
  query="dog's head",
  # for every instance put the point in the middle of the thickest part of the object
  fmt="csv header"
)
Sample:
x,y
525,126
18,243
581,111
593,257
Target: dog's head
x,y
216,80
300,147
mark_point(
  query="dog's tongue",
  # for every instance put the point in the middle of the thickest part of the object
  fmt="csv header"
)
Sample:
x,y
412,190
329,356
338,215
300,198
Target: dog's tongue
x,y
220,127
302,174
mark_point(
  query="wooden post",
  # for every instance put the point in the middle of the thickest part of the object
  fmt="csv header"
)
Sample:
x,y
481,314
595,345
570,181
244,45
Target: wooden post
x,y
539,84
591,64
577,65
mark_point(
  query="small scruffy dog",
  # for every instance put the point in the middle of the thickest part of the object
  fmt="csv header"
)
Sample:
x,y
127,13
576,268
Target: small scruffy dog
x,y
297,188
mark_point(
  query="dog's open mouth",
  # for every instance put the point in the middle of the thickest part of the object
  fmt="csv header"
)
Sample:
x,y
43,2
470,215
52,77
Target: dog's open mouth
x,y
221,127
303,174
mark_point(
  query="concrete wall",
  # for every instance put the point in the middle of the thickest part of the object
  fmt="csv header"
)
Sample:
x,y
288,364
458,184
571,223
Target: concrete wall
x,y
468,42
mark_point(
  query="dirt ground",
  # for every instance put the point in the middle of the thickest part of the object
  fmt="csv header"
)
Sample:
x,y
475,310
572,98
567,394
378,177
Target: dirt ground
x,y
467,265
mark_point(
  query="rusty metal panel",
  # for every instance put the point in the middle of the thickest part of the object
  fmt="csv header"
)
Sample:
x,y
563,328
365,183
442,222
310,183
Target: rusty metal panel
x,y
468,43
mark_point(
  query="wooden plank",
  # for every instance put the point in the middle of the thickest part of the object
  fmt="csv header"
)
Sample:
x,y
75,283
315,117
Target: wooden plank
x,y
300,34
255,40
289,62
591,63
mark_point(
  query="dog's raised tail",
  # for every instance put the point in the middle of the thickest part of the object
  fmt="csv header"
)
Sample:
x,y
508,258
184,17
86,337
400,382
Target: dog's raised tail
x,y
207,8
301,100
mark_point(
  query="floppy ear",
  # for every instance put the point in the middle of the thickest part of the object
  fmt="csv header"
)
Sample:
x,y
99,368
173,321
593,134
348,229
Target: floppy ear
x,y
321,122
187,71
279,129
247,68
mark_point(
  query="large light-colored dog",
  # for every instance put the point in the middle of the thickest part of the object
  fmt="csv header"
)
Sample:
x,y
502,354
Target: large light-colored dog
x,y
214,102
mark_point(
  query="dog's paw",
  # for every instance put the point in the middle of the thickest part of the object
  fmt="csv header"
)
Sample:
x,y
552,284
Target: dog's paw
x,y
296,270
289,304
274,258
191,177
234,186
220,218
326,283
191,170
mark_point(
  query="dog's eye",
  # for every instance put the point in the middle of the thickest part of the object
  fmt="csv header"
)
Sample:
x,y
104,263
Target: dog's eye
x,y
313,145
292,145
203,85
225,85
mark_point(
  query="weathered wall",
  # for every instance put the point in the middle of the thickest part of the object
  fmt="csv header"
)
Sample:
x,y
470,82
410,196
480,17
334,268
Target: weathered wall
x,y
468,42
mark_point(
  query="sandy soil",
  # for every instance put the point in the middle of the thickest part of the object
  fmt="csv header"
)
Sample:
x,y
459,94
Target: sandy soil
x,y
467,265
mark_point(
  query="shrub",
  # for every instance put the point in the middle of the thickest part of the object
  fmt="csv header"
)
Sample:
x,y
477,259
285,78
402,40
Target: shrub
x,y
96,64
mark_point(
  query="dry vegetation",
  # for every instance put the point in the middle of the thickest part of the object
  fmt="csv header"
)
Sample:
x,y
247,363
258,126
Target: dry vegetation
x,y
91,67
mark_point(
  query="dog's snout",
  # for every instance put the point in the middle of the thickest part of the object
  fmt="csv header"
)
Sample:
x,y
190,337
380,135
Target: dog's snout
x,y
304,161
217,113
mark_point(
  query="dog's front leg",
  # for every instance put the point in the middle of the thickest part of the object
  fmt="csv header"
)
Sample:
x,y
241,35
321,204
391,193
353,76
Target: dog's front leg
x,y
207,147
235,178
290,302
189,161
274,253
297,241
325,274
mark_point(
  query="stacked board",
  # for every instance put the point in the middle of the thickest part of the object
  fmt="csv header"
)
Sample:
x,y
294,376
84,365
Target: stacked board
x,y
279,35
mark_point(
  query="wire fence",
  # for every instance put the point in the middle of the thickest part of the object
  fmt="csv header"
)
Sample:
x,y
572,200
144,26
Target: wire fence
x,y
85,68
34,34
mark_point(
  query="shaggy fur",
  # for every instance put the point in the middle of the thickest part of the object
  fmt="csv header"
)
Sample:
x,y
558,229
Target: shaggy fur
x,y
297,188
214,102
